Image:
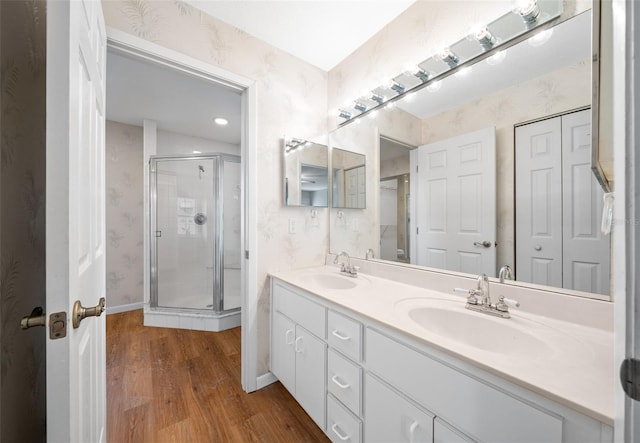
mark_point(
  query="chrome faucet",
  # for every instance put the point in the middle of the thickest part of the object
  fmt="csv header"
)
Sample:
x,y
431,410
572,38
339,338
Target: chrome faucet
x,y
505,273
370,254
479,300
351,271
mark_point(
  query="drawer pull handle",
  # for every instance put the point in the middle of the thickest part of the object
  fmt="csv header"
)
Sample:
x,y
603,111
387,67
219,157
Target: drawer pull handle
x,y
286,337
336,430
412,431
337,334
298,349
340,384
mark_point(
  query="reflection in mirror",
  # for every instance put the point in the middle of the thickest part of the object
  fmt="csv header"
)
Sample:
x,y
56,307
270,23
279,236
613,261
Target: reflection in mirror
x,y
394,200
544,77
349,179
306,181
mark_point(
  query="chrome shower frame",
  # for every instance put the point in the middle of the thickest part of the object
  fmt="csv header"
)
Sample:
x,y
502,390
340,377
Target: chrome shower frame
x,y
218,191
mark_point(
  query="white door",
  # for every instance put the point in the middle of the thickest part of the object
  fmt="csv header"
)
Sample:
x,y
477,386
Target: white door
x,y
456,213
283,357
539,202
75,234
585,250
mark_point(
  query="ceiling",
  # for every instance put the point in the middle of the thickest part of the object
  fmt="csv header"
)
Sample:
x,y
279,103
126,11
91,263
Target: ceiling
x,y
322,33
138,90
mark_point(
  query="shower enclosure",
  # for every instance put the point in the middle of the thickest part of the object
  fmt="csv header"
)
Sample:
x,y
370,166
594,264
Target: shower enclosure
x,y
195,234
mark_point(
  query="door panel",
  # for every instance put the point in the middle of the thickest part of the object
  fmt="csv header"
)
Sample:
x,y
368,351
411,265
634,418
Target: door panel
x,y
539,203
76,391
283,358
456,188
310,374
586,251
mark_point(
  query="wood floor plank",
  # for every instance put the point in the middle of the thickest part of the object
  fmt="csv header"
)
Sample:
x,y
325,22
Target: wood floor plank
x,y
174,385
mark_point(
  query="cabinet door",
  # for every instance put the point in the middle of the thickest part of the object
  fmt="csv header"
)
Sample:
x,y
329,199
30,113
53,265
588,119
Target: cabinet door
x,y
391,418
283,357
443,433
311,357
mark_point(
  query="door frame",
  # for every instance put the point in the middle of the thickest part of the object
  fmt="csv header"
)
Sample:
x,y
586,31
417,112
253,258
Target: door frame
x,y
126,44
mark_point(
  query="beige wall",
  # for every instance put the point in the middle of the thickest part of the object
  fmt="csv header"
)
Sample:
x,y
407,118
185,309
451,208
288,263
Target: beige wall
x,y
292,99
124,214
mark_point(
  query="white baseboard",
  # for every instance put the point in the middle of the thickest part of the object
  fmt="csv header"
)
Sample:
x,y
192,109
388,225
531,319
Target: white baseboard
x,y
124,308
265,380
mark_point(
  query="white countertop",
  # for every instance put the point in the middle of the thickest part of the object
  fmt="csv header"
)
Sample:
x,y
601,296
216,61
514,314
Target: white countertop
x,y
569,363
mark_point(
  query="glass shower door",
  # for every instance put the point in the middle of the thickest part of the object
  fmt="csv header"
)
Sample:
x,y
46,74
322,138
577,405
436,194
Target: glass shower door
x,y
185,231
231,205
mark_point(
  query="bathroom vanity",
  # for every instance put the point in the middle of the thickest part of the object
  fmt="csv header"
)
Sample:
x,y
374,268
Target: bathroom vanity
x,y
375,360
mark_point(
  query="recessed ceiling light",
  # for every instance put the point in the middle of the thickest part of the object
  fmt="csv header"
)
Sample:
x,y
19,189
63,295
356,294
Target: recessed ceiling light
x,y
196,152
220,121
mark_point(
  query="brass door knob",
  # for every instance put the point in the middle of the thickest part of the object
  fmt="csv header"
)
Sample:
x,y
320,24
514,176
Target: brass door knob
x,y
80,313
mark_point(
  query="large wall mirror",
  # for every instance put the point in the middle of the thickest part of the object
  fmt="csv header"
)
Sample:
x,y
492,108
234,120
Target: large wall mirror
x,y
306,173
493,166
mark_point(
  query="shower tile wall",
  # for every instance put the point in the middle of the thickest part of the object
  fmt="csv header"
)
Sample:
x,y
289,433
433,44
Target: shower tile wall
x,y
124,214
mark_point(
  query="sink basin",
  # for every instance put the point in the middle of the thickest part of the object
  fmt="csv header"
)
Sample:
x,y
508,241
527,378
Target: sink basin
x,y
451,321
334,281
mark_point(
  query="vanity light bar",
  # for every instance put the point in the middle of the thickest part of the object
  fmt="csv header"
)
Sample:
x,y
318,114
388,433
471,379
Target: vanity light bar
x,y
359,106
486,39
422,75
532,14
344,114
528,10
295,143
449,57
395,86
377,98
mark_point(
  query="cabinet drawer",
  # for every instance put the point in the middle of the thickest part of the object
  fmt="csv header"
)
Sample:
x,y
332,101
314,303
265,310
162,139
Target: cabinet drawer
x,y
476,408
341,425
345,335
300,309
344,381
391,418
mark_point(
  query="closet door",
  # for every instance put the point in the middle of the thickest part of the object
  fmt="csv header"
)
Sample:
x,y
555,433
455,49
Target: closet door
x,y
539,202
586,251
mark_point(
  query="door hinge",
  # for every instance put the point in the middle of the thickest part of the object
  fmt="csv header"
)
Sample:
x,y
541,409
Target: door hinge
x,y
417,168
246,255
630,377
417,230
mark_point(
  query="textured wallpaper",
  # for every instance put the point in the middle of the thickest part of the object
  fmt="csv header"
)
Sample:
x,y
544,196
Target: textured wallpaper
x,y
22,218
292,99
124,212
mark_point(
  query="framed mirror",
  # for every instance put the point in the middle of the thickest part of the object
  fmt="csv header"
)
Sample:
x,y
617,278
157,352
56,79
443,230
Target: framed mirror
x,y
348,174
306,173
545,77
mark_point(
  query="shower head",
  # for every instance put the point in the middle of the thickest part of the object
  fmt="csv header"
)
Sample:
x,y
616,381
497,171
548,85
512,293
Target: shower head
x,y
201,168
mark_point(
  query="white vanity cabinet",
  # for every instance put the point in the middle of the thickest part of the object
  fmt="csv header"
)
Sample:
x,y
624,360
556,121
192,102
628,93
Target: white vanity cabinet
x,y
298,351
373,383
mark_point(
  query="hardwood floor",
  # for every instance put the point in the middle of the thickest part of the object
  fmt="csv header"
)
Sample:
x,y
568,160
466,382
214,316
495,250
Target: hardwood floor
x,y
174,385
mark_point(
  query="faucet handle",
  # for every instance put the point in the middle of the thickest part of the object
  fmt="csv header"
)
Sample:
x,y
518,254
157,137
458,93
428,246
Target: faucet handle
x,y
472,294
505,303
